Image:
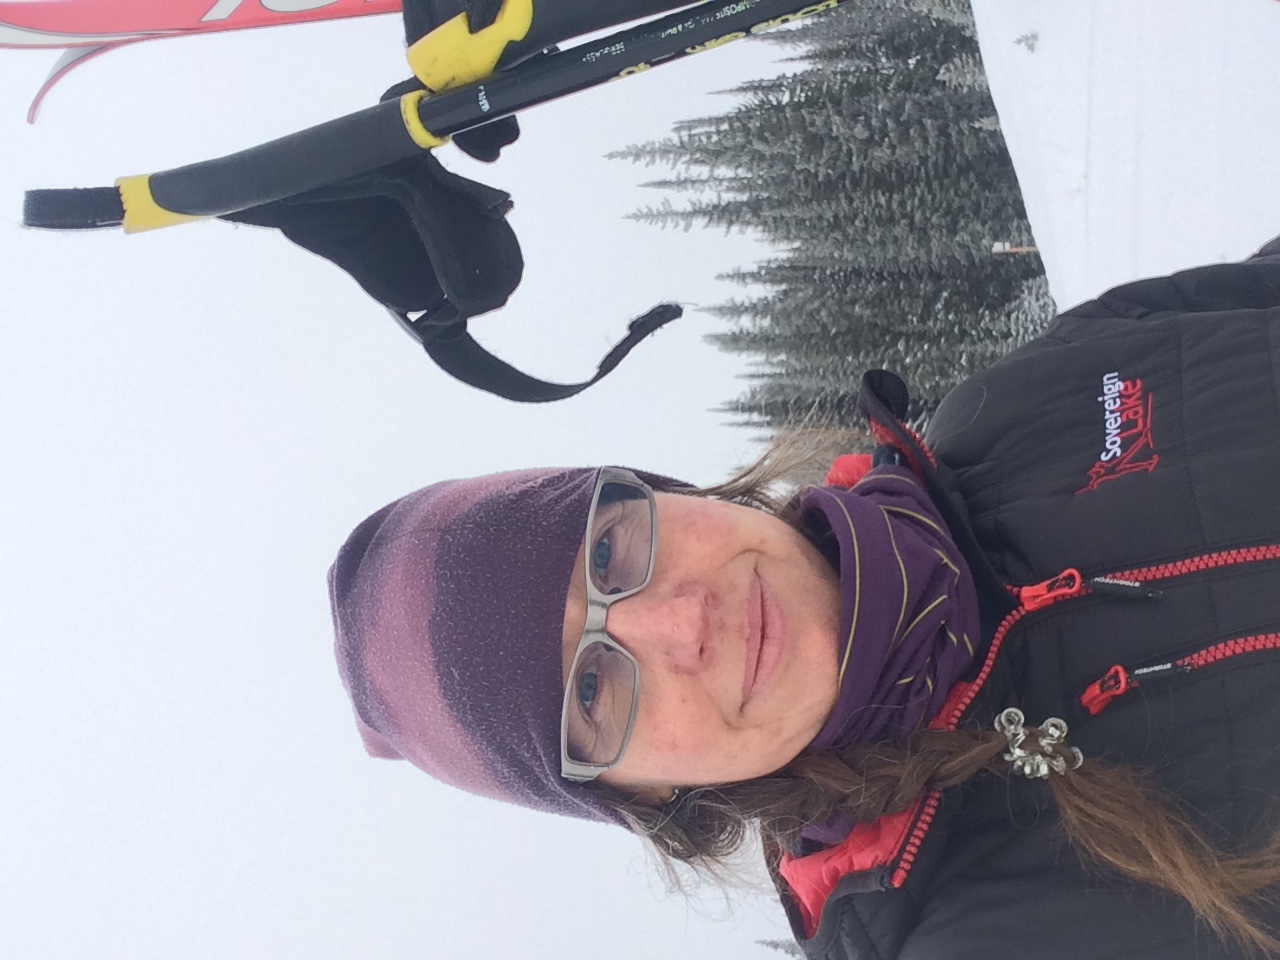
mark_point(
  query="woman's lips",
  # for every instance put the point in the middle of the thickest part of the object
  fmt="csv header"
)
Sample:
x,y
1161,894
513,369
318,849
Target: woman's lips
x,y
766,638
755,634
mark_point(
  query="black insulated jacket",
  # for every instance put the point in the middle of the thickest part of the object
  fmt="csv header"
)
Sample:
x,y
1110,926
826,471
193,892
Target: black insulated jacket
x,y
1115,485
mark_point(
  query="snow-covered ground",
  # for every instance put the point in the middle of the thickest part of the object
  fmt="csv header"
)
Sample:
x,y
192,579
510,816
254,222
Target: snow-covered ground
x,y
1145,133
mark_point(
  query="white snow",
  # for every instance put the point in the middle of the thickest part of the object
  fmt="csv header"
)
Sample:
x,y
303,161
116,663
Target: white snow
x,y
1145,132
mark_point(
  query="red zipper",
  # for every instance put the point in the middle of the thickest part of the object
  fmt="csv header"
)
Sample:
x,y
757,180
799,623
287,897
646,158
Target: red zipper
x,y
1206,561
1118,680
916,839
1114,683
1134,584
1038,596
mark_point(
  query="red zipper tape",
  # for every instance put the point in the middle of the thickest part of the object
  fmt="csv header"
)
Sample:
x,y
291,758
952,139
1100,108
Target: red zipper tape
x,y
1118,681
1206,561
1035,597
1229,648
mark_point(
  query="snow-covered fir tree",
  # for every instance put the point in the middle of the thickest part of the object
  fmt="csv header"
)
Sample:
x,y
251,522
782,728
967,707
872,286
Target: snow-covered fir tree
x,y
879,174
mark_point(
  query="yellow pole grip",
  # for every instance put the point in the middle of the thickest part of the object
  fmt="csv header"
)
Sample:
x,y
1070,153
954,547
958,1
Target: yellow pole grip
x,y
141,212
452,56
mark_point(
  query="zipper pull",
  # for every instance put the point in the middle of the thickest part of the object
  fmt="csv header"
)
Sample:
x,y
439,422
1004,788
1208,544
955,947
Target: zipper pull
x,y
1130,589
1114,683
1068,583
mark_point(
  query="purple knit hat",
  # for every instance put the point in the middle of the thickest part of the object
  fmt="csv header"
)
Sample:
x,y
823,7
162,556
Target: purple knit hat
x,y
448,608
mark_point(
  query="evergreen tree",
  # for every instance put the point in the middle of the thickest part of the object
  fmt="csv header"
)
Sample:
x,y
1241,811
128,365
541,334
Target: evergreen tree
x,y
789,947
878,173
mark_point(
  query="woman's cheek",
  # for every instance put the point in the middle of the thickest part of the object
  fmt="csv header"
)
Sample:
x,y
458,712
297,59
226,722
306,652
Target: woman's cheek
x,y
680,733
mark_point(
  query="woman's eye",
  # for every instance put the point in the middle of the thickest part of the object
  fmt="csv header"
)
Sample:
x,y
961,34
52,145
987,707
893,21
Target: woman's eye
x,y
601,555
588,688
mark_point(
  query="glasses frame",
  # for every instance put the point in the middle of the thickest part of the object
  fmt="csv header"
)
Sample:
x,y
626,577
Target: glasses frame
x,y
593,630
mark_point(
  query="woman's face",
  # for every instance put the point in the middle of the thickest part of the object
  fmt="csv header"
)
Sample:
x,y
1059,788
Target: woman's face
x,y
736,640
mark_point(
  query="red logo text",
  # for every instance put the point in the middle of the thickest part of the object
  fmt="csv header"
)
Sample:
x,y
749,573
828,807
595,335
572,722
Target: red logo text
x,y
1126,446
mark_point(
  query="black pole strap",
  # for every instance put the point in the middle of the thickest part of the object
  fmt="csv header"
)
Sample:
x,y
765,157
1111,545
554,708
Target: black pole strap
x,y
77,209
464,359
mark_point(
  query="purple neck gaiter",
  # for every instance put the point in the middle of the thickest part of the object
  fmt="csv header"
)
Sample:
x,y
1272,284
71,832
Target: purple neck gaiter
x,y
909,609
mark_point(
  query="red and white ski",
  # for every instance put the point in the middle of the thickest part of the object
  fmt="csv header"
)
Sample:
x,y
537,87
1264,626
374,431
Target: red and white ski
x,y
90,28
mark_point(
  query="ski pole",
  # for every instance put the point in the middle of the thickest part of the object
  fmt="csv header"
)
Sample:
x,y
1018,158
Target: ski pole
x,y
395,130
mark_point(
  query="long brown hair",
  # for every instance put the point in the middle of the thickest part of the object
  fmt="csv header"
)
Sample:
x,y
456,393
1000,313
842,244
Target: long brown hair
x,y
1112,815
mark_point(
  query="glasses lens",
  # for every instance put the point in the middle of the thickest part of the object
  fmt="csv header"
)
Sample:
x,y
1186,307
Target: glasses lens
x,y
598,710
620,541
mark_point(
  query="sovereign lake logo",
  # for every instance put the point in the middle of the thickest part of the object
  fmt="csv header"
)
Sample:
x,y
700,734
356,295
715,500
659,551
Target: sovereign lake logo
x,y
1126,443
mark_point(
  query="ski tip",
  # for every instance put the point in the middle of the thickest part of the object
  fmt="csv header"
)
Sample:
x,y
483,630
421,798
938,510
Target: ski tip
x,y
70,59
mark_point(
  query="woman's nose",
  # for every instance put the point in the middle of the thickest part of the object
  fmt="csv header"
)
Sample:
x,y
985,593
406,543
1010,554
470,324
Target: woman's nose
x,y
670,627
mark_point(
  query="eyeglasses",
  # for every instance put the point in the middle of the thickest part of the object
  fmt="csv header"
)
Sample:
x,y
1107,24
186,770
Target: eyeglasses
x,y
602,688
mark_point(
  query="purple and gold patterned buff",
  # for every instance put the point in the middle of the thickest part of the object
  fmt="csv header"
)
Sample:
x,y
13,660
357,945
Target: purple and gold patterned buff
x,y
909,610
448,608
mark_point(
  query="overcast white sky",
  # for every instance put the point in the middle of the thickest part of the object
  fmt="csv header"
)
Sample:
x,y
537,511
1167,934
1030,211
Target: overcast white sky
x,y
193,419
